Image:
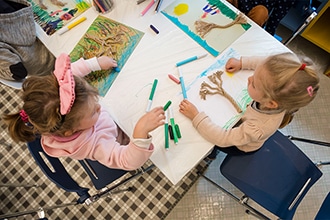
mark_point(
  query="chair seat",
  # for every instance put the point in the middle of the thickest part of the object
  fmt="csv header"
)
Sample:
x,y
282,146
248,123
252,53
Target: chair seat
x,y
277,176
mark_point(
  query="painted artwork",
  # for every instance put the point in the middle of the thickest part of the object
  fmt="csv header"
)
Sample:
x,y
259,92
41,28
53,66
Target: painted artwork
x,y
211,23
109,38
222,90
52,15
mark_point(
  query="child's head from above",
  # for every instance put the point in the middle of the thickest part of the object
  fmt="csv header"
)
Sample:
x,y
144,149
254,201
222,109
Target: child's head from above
x,y
59,104
42,105
284,82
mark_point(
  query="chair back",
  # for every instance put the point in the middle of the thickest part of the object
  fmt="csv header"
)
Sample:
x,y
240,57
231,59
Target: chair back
x,y
101,175
55,171
277,176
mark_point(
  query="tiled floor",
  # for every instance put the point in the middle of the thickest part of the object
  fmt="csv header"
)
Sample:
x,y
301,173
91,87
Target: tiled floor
x,y
205,201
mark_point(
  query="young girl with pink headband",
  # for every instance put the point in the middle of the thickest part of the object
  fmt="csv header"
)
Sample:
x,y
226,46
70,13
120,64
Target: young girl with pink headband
x,y
64,109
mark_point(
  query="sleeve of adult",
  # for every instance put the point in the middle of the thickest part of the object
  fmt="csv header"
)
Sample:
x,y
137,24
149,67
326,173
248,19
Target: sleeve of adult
x,y
11,66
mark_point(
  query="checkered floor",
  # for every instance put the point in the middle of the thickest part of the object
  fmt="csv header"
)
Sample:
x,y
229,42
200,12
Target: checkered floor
x,y
152,197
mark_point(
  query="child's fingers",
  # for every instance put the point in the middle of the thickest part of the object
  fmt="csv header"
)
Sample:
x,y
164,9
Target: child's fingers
x,y
158,110
230,69
114,63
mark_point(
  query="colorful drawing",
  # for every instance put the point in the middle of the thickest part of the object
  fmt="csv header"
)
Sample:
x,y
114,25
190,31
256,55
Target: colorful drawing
x,y
110,38
52,15
225,92
209,22
215,88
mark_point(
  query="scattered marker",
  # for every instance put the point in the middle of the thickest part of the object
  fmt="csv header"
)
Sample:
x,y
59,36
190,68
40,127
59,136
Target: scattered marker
x,y
167,105
154,29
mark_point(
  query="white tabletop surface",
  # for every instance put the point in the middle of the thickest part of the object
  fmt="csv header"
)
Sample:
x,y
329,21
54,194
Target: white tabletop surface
x,y
155,57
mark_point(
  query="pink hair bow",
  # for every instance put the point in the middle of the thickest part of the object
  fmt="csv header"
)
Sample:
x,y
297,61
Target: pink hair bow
x,y
66,83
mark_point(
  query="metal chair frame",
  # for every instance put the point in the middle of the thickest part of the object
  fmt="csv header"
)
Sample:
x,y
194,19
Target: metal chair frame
x,y
310,141
302,27
312,13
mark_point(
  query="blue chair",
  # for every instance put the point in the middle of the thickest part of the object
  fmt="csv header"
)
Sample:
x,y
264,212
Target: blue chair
x,y
305,10
324,211
277,177
100,175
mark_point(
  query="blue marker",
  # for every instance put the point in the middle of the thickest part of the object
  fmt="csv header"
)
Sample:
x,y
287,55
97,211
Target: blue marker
x,y
183,87
190,60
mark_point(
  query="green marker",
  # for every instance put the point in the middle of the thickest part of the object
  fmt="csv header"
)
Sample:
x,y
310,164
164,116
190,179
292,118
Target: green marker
x,y
177,129
151,96
167,105
175,136
166,131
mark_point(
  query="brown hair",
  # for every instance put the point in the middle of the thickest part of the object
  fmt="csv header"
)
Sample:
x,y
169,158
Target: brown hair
x,y
41,102
291,77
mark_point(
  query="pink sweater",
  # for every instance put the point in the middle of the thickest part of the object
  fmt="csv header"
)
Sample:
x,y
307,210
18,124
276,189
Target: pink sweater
x,y
104,142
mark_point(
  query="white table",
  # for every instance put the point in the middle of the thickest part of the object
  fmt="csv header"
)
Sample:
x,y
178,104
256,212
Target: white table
x,y
155,57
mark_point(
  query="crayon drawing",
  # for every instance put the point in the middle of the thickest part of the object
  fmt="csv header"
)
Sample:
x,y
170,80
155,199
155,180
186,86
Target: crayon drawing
x,y
110,38
204,91
210,23
52,15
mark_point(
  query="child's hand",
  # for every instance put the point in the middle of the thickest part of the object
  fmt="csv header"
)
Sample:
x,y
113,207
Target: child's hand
x,y
106,62
188,109
148,122
233,65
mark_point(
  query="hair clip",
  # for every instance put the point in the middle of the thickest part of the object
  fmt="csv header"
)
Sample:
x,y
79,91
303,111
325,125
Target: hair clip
x,y
24,116
302,67
310,91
